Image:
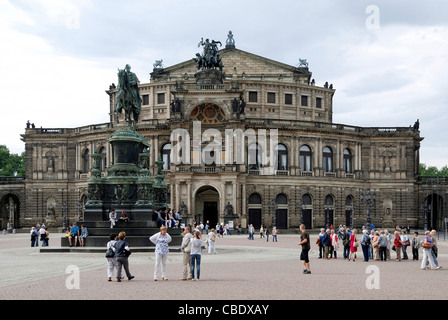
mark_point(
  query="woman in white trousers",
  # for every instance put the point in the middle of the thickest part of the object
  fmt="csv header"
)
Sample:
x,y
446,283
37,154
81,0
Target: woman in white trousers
x,y
427,254
111,262
161,240
211,241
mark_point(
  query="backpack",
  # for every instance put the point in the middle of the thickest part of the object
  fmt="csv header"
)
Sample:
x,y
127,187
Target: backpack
x,y
367,242
346,240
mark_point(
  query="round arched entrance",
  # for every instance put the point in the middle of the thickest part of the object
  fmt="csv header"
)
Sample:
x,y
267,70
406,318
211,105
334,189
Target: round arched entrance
x,y
207,204
9,212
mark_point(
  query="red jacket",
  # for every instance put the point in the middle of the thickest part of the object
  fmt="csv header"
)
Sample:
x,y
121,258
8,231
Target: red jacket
x,y
397,241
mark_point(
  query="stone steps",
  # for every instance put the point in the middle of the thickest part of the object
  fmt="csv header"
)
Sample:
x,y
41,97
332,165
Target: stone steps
x,y
137,233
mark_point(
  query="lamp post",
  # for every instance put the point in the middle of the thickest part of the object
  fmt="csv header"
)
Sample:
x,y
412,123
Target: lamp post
x,y
64,215
79,207
328,205
369,198
302,207
272,205
426,208
11,206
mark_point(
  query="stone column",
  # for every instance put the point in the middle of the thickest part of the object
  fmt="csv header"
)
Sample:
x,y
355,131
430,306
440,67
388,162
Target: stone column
x,y
189,197
177,195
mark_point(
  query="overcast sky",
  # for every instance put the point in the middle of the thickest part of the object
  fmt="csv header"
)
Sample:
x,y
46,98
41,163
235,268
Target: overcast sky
x,y
387,62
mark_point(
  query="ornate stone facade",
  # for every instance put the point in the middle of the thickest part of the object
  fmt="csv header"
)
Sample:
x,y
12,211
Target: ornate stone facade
x,y
319,170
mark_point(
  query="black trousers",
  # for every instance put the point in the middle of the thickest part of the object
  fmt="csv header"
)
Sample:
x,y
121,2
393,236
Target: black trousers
x,y
383,253
414,254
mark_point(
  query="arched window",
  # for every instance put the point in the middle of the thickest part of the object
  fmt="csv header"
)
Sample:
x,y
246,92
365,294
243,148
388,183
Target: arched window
x,y
327,158
306,200
254,156
86,161
347,161
166,156
329,200
282,157
103,159
254,198
349,201
281,199
305,158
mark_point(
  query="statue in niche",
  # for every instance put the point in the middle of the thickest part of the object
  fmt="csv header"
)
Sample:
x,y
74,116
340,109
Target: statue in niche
x,y
50,167
183,209
242,106
229,209
235,105
177,105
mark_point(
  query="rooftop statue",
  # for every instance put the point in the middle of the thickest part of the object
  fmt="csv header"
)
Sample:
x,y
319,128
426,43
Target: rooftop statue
x,y
303,63
210,58
158,64
128,96
230,42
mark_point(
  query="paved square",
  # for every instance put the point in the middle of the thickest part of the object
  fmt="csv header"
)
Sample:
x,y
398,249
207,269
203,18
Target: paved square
x,y
242,270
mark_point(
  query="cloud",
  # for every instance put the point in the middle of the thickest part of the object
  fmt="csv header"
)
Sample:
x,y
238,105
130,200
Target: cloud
x,y
62,55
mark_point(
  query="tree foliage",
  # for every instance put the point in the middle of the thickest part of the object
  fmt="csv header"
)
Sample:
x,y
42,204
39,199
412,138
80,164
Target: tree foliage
x,y
11,164
433,171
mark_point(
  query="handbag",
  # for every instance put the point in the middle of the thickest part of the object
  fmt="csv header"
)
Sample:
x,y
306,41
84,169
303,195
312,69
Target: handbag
x,y
426,245
110,253
356,245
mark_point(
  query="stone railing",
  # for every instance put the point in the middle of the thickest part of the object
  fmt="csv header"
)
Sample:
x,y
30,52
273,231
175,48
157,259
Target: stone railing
x,y
11,180
297,124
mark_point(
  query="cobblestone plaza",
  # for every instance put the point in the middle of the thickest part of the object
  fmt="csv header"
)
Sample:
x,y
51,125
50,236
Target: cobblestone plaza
x,y
241,270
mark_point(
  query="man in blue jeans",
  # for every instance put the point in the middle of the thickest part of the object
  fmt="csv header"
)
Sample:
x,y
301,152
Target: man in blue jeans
x,y
326,241
365,244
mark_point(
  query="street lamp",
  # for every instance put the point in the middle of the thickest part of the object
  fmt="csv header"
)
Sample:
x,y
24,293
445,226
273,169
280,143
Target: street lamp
x,y
272,205
64,215
302,206
426,208
327,207
79,207
369,198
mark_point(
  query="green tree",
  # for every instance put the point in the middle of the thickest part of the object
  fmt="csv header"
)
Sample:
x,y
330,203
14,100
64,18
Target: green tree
x,y
11,164
432,171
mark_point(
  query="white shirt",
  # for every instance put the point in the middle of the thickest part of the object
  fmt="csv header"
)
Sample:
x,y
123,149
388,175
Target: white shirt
x,y
196,246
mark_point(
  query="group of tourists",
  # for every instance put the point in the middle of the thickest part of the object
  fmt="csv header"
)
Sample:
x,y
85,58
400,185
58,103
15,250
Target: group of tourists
x,y
39,231
118,251
221,229
377,245
167,218
263,233
113,218
77,236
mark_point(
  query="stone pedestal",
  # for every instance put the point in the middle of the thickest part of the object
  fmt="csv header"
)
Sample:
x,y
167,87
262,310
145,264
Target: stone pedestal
x,y
209,76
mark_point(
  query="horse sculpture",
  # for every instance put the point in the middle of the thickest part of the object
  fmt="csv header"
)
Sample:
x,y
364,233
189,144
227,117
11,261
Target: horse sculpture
x,y
128,97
